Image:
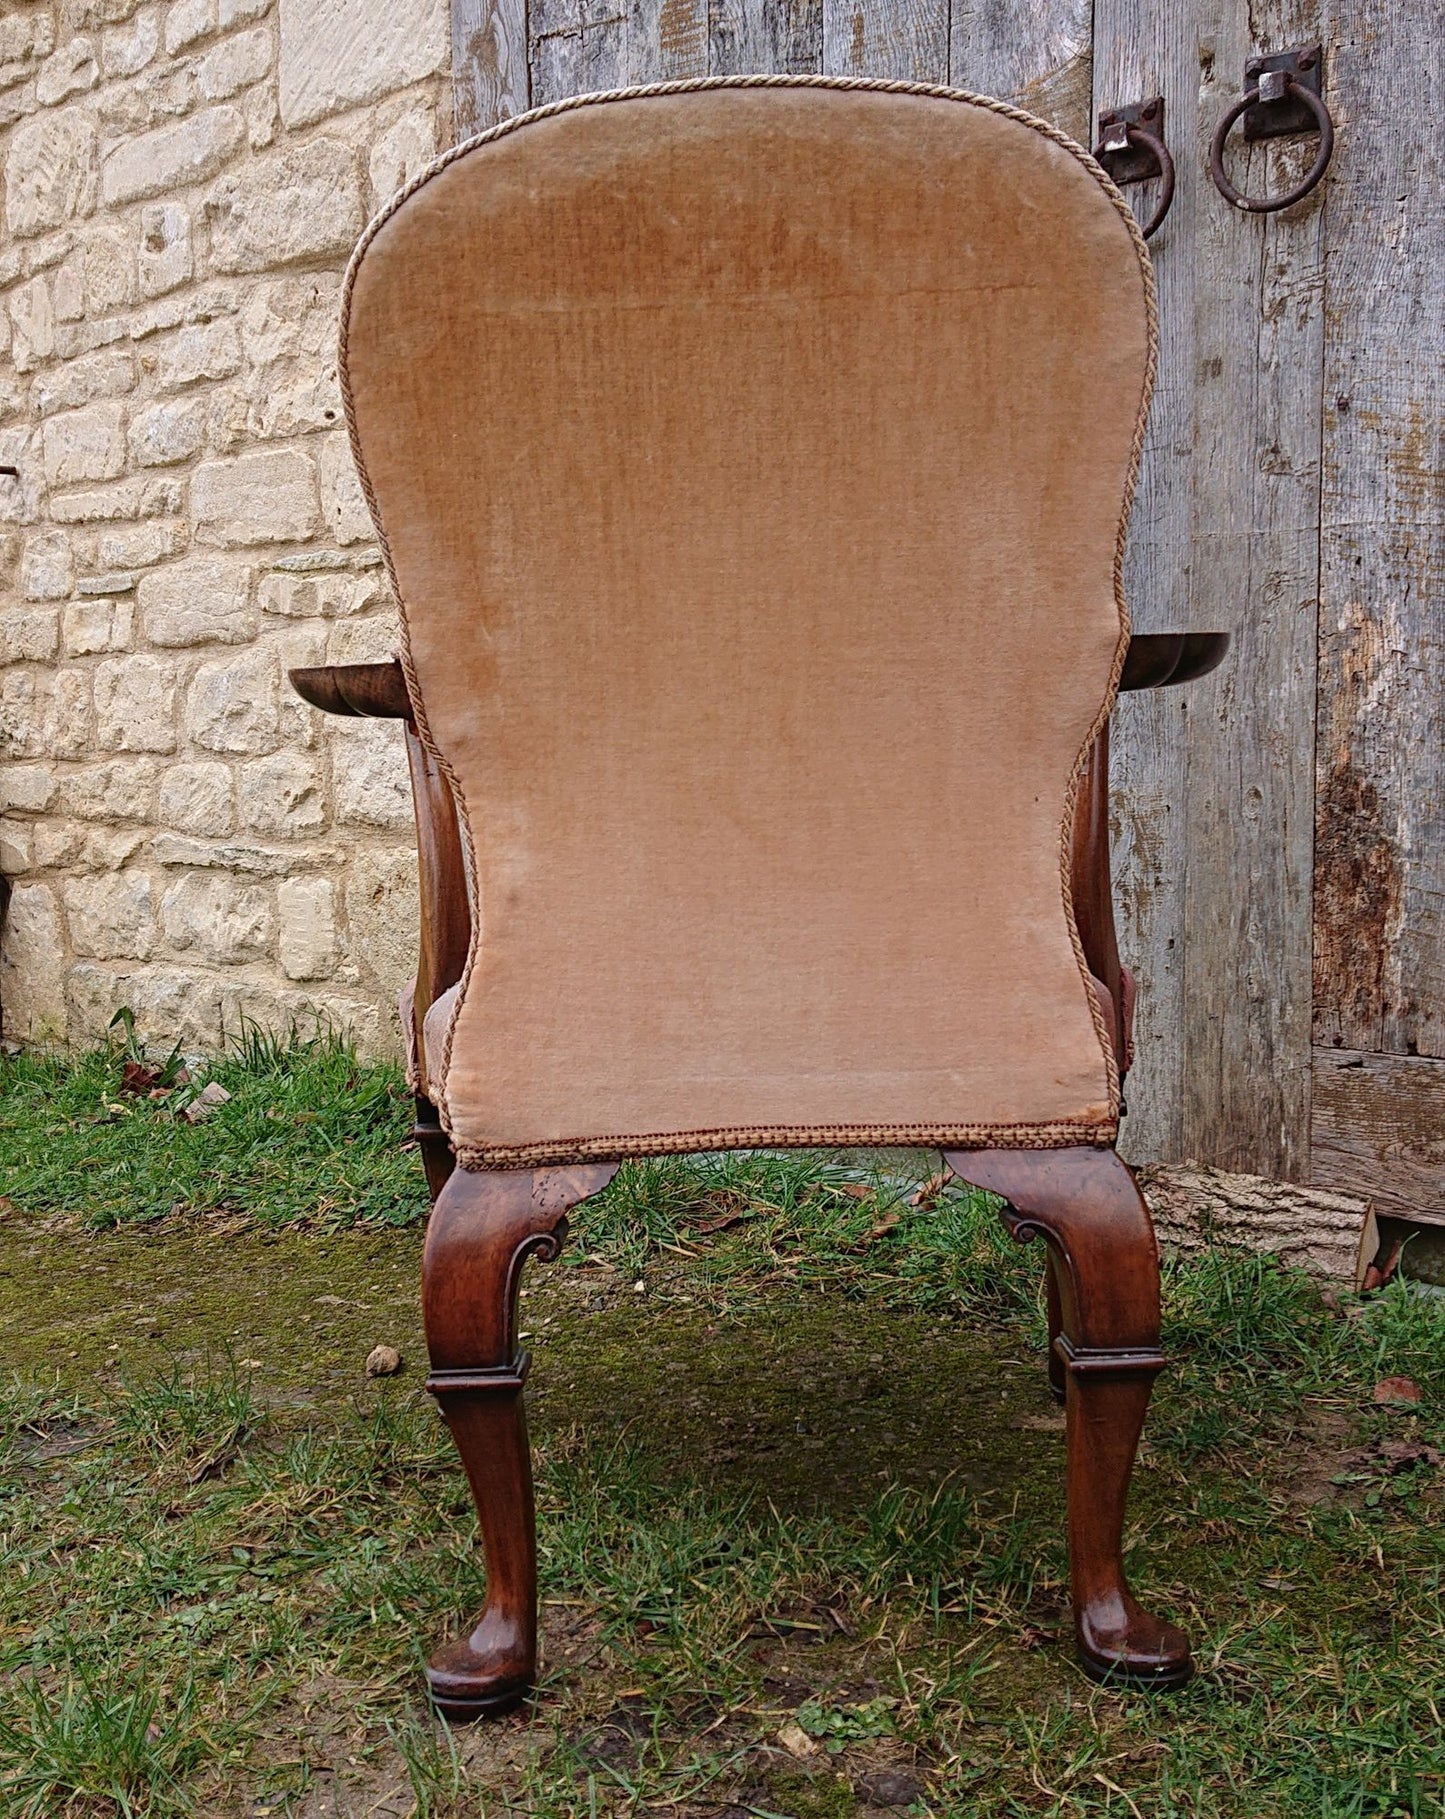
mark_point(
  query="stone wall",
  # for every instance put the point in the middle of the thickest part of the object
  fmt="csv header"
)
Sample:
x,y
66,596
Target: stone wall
x,y
179,515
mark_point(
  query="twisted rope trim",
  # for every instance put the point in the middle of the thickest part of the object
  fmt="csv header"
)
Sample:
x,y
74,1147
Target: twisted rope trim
x,y
1042,1136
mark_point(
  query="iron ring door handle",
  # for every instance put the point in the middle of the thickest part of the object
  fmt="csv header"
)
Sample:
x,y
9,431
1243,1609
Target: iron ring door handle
x,y
1269,205
1140,135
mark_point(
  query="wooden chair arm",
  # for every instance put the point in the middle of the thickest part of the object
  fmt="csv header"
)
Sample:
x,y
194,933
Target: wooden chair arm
x,y
378,691
1165,659
375,690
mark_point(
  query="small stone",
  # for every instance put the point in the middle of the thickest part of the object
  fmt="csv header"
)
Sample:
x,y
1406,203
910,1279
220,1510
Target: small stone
x,y
205,601
234,64
383,1361
200,350
116,581
197,798
342,501
167,432
796,1741
307,942
135,700
91,626
890,1787
28,634
206,1103
84,445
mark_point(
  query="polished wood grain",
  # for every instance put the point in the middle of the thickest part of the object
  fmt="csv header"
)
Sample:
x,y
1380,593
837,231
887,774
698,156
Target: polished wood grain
x,y
375,690
483,1229
1085,1203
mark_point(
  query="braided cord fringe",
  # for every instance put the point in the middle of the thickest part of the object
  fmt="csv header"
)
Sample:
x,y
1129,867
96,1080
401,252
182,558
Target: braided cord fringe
x,y
1013,1136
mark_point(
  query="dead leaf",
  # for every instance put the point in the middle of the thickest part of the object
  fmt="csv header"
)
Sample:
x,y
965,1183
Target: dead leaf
x,y
796,1741
930,1192
1031,1637
1398,1392
383,1361
723,1221
856,1190
136,1077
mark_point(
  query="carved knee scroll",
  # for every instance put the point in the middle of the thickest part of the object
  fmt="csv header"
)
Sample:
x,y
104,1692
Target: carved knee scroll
x,y
484,1228
1105,1266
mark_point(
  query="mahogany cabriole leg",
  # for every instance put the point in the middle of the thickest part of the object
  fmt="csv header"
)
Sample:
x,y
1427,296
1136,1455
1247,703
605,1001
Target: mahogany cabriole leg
x,y
1058,1376
1087,1205
483,1228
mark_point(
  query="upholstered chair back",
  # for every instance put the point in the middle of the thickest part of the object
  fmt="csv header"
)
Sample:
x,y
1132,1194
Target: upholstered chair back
x,y
752,461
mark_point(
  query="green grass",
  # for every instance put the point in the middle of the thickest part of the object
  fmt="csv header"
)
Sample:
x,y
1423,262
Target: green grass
x,y
799,1489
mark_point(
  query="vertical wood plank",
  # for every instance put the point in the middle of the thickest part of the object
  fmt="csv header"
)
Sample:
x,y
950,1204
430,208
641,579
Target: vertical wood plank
x,y
575,47
770,37
489,63
1258,353
1036,53
665,40
1379,908
906,40
1142,49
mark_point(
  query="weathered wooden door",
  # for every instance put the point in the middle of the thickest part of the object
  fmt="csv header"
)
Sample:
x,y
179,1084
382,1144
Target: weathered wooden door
x,y
1280,836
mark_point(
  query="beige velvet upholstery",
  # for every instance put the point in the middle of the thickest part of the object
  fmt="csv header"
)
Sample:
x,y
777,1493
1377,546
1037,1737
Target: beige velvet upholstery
x,y
752,464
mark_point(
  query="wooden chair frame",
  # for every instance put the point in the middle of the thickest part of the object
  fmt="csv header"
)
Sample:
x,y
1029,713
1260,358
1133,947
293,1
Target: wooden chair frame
x,y
1102,1272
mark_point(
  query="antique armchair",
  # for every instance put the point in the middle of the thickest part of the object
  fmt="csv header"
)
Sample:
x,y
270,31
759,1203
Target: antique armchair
x,y
752,460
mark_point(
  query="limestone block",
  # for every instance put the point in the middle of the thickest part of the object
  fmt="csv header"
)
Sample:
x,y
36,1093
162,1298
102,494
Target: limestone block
x,y
69,71
321,596
108,849
28,634
370,640
133,546
86,444
91,626
240,12
234,856
266,497
32,315
24,702
342,501
307,943
85,15
223,921
109,271
298,202
125,49
198,798
68,727
26,786
170,431
234,63
17,848
203,601
47,569
32,966
56,844
263,115
135,704
49,171
112,917
306,401
133,498
123,790
171,157
369,775
381,913
400,151
234,705
200,350
283,794
100,587
187,21
27,35
163,259
109,373
335,53
67,289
